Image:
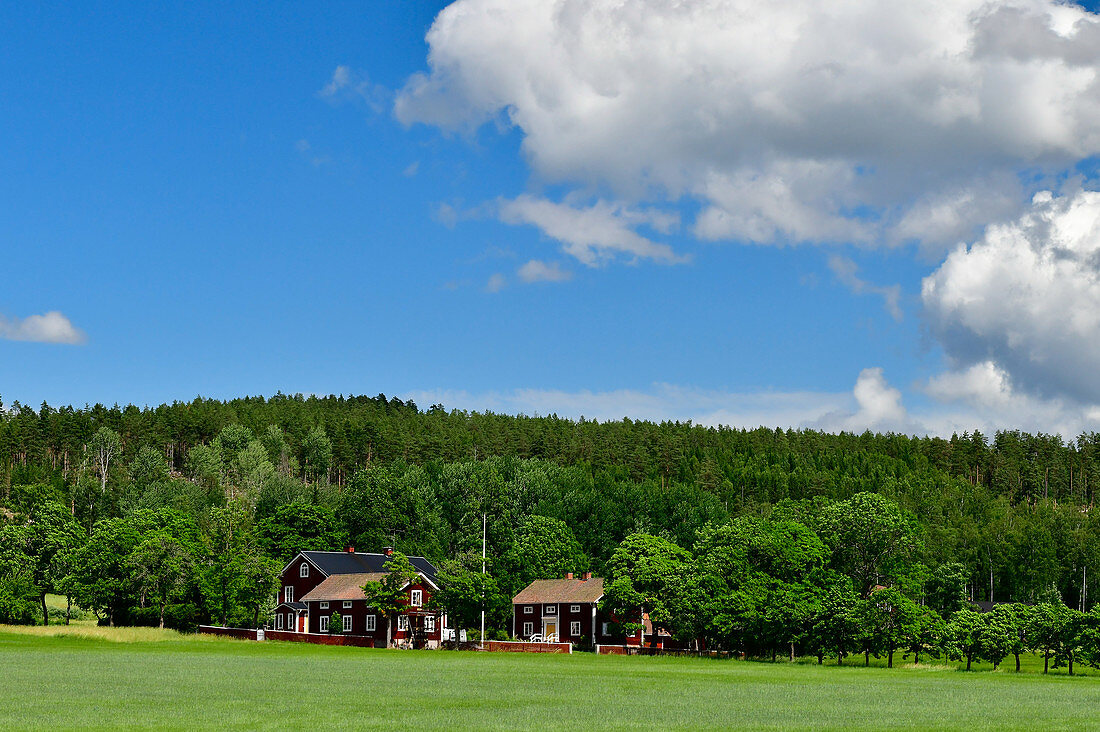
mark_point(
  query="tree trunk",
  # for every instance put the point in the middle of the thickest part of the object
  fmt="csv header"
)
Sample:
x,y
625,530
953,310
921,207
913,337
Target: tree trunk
x,y
389,631
45,610
916,656
866,657
68,608
792,651
969,658
775,652
1046,660
1071,664
1017,662
820,658
890,658
162,605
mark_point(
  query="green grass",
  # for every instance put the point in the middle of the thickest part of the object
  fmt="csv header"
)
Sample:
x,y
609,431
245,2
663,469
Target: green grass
x,y
74,681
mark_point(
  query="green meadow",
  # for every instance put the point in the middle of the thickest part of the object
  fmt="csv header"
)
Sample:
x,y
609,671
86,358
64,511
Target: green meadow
x,y
87,677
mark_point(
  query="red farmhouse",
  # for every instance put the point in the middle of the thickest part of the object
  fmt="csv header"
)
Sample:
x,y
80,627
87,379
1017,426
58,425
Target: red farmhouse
x,y
562,609
317,584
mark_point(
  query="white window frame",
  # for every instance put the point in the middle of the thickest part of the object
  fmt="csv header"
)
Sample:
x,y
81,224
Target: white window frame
x,y
347,623
606,629
575,628
324,605
528,609
550,610
347,604
291,623
528,630
288,594
574,608
416,598
278,621
303,571
403,623
429,624
324,624
371,622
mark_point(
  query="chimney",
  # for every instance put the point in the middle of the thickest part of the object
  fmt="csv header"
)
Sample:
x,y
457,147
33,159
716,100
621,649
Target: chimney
x,y
351,550
388,551
569,575
586,576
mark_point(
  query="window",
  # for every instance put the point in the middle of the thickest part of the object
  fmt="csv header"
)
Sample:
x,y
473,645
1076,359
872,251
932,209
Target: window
x,y
575,628
606,629
347,604
551,609
303,571
370,622
288,594
402,622
574,608
278,621
347,623
528,609
417,598
429,624
324,605
324,623
528,629
290,622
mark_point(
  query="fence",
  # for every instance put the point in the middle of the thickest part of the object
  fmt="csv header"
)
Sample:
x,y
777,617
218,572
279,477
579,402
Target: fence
x,y
289,635
610,650
521,647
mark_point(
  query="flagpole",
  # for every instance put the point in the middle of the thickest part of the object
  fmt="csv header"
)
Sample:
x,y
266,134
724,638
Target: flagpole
x,y
483,528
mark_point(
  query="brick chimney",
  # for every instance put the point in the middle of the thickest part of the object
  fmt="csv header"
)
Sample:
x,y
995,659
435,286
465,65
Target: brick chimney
x,y
351,550
388,551
586,576
569,575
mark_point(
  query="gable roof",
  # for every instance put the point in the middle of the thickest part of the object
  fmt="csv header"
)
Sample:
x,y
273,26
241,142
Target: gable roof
x,y
332,563
560,590
342,587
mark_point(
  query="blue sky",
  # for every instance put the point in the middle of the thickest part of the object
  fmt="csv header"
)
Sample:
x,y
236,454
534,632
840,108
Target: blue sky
x,y
221,199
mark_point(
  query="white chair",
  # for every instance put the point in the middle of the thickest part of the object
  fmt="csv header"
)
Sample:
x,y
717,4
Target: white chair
x,y
536,638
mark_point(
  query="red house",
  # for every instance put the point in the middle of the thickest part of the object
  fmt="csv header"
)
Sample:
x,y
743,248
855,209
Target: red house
x,y
315,585
566,609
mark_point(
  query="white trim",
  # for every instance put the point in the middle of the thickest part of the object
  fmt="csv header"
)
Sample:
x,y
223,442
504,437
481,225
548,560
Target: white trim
x,y
371,623
528,609
416,598
528,629
347,623
278,621
303,570
550,610
574,628
403,623
288,593
429,623
323,627
303,556
574,608
347,605
324,604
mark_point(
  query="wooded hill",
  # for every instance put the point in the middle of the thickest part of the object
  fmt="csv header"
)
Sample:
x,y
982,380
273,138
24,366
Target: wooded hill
x,y
1014,510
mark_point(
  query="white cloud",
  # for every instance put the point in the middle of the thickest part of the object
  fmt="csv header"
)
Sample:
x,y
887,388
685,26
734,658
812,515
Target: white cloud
x,y
496,282
847,273
1025,299
346,83
594,234
412,169
51,327
539,271
870,121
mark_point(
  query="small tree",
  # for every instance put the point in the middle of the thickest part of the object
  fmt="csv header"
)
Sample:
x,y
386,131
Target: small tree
x,y
388,595
160,566
336,624
962,638
105,445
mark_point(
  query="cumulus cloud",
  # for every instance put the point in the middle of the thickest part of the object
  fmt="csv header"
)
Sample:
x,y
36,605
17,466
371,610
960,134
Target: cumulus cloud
x,y
794,120
539,271
51,327
593,234
496,282
1025,299
847,273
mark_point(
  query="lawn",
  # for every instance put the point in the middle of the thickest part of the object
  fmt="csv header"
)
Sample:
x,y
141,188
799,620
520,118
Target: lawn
x,y
123,679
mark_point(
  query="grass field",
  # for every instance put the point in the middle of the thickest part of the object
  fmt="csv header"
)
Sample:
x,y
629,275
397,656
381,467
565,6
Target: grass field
x,y
94,678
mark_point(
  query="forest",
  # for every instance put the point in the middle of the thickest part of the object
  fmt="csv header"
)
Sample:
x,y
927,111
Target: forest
x,y
181,513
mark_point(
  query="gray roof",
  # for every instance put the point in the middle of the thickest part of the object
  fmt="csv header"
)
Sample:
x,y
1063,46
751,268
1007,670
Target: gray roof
x,y
363,563
292,605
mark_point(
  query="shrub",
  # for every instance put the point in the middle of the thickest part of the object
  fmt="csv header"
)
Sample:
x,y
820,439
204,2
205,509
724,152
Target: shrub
x,y
18,599
336,624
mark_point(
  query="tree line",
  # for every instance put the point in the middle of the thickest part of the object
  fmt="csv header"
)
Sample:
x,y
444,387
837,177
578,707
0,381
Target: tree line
x,y
261,478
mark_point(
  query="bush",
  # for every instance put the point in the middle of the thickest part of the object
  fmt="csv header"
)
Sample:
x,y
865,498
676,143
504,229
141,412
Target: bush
x,y
336,624
19,600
